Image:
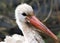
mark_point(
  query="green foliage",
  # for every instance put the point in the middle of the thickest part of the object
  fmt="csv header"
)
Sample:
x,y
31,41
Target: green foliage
x,y
58,34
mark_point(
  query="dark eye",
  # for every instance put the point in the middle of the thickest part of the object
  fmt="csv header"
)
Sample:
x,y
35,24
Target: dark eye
x,y
24,14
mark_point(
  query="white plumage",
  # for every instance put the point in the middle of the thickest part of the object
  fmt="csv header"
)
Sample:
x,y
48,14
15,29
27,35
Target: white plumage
x,y
19,39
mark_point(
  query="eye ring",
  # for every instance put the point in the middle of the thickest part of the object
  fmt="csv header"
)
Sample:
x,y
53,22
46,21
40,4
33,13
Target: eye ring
x,y
24,14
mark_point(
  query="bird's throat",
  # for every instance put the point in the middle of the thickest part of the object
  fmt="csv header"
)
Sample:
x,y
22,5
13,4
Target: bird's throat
x,y
28,32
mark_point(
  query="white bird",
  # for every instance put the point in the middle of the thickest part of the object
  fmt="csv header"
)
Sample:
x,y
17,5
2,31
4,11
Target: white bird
x,y
29,25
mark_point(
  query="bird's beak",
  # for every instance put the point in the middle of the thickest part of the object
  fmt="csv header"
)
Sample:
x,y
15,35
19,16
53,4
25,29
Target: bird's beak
x,y
38,24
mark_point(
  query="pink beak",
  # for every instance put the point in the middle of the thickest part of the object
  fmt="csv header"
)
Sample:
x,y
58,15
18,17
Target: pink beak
x,y
38,24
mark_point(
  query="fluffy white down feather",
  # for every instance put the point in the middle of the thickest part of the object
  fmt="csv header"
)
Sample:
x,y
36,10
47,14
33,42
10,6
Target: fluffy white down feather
x,y
13,39
16,39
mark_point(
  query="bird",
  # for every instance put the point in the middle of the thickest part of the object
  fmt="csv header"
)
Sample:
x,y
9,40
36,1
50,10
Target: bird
x,y
30,26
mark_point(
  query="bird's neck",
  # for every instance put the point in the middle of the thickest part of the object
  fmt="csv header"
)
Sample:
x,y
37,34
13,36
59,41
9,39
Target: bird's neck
x,y
30,35
27,30
24,27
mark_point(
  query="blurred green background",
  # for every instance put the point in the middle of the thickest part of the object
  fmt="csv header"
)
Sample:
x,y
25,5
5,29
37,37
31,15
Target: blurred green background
x,y
48,11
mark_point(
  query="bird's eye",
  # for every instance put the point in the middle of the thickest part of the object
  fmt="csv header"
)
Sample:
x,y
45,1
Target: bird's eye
x,y
24,14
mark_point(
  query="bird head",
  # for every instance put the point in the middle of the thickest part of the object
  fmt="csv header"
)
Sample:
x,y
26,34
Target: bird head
x,y
25,13
22,11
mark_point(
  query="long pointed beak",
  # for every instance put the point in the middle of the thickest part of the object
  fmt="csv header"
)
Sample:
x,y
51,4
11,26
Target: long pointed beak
x,y
38,24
